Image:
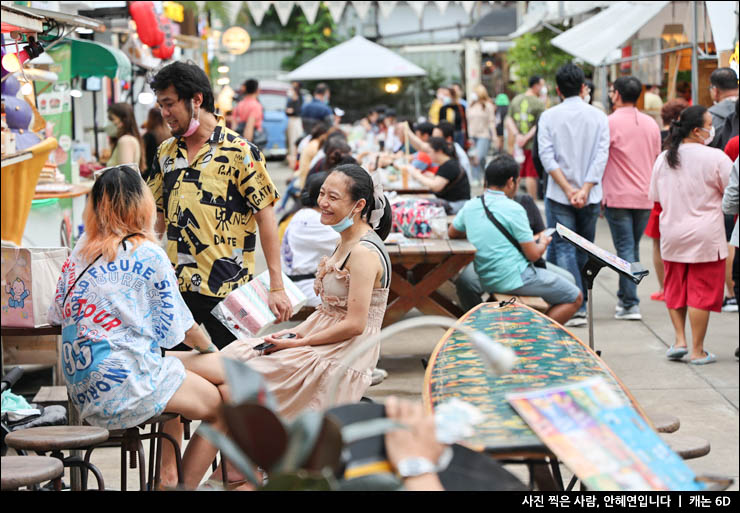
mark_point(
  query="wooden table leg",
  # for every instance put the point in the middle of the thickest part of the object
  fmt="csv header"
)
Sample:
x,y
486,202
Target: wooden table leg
x,y
420,294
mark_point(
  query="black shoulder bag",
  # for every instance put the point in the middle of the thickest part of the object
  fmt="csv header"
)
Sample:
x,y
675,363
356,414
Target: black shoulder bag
x,y
539,263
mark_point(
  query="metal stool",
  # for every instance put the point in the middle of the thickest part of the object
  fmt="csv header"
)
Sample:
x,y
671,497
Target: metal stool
x,y
18,471
130,442
55,439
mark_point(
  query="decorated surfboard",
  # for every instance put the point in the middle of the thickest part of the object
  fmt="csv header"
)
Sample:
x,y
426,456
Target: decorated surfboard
x,y
548,355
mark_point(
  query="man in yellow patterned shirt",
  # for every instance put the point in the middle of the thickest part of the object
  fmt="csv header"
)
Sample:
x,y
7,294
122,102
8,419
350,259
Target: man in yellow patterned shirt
x,y
212,192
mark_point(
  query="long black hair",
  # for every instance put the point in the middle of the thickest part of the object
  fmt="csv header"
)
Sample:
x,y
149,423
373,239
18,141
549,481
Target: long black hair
x,y
361,187
690,118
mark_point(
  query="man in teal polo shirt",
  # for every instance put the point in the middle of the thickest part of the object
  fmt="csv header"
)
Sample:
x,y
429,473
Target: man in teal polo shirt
x,y
499,266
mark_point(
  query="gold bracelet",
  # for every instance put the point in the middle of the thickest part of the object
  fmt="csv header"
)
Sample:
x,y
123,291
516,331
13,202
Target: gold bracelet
x,y
277,290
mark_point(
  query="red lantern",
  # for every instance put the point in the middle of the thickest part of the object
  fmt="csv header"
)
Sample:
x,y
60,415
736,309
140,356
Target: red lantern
x,y
166,49
147,25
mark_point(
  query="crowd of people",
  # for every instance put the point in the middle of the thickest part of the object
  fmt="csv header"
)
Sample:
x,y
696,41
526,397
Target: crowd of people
x,y
162,247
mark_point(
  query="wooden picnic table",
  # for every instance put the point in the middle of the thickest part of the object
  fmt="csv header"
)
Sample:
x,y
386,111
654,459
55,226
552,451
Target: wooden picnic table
x,y
420,267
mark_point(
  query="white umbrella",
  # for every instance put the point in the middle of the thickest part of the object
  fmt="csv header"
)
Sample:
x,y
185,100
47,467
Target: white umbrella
x,y
356,58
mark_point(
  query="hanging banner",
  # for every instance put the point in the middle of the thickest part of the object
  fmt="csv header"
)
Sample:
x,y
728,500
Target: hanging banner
x,y
283,11
336,9
55,105
362,8
257,11
310,10
418,8
442,6
467,6
386,8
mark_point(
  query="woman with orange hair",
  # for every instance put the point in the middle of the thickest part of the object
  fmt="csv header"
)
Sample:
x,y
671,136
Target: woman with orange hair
x,y
118,303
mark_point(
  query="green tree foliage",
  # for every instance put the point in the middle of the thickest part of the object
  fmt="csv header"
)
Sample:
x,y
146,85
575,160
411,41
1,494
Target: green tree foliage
x,y
532,54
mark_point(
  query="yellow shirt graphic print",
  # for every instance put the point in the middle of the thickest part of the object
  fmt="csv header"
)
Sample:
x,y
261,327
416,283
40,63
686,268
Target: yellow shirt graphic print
x,y
209,208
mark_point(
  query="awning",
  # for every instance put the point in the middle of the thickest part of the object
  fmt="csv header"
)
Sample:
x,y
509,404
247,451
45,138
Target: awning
x,y
539,13
31,19
721,16
91,59
356,58
595,39
500,22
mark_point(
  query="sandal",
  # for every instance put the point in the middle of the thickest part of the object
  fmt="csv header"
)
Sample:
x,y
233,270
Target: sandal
x,y
709,358
676,353
657,296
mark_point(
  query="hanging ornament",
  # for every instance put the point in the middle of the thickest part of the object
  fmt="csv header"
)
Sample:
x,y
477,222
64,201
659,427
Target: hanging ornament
x,y
467,6
310,10
257,11
362,8
283,11
386,8
442,6
418,8
147,25
336,9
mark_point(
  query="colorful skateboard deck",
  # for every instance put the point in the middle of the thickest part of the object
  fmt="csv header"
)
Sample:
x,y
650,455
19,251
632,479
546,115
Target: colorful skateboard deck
x,y
549,355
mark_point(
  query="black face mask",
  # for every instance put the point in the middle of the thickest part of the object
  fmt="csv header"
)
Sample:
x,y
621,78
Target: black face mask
x,y
611,103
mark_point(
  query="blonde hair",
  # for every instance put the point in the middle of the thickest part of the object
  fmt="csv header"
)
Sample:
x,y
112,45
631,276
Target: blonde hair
x,y
482,93
120,204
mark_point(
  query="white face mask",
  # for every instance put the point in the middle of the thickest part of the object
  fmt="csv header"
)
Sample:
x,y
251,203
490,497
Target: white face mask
x,y
587,99
709,139
543,91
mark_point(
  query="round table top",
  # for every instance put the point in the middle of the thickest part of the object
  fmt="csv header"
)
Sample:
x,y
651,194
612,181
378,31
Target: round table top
x,y
18,471
50,438
664,423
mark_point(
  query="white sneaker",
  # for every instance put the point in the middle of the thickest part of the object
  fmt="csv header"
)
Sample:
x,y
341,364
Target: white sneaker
x,y
729,304
576,322
378,376
629,314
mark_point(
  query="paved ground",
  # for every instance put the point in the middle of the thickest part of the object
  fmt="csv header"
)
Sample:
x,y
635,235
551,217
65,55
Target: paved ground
x,y
705,398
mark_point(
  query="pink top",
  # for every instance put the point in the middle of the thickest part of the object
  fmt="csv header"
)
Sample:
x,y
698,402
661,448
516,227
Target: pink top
x,y
634,143
692,226
249,107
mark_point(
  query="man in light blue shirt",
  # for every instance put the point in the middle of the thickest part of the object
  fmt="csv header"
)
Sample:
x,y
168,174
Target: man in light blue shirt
x,y
573,140
499,265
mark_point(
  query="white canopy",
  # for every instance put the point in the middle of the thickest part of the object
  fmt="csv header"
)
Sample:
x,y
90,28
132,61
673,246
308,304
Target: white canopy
x,y
595,39
356,58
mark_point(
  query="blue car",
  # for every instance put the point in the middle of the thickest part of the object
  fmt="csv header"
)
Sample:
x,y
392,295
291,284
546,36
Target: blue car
x,y
273,96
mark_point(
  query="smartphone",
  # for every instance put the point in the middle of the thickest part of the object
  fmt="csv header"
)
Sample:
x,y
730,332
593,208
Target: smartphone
x,y
288,335
547,233
263,346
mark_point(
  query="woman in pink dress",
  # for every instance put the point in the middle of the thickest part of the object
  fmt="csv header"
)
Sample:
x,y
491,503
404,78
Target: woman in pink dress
x,y
353,284
688,180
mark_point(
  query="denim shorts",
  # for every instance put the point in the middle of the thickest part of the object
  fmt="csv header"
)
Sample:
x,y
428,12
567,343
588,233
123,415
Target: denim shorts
x,y
550,286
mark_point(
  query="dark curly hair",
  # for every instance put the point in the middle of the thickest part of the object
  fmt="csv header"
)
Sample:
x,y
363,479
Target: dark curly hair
x,y
188,79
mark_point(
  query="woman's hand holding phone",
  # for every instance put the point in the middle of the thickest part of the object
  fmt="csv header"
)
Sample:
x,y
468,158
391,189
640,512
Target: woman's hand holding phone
x,y
277,341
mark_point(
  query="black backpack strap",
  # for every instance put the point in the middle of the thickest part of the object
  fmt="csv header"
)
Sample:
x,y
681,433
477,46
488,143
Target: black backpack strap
x,y
502,229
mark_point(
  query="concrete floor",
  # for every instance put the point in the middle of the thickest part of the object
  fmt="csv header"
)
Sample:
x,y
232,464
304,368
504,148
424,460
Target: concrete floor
x,y
705,398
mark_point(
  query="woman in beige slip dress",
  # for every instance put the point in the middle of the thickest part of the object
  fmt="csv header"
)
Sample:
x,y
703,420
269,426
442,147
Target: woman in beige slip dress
x,y
353,285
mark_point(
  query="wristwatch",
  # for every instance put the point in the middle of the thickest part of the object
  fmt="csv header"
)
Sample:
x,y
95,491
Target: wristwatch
x,y
412,467
417,466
